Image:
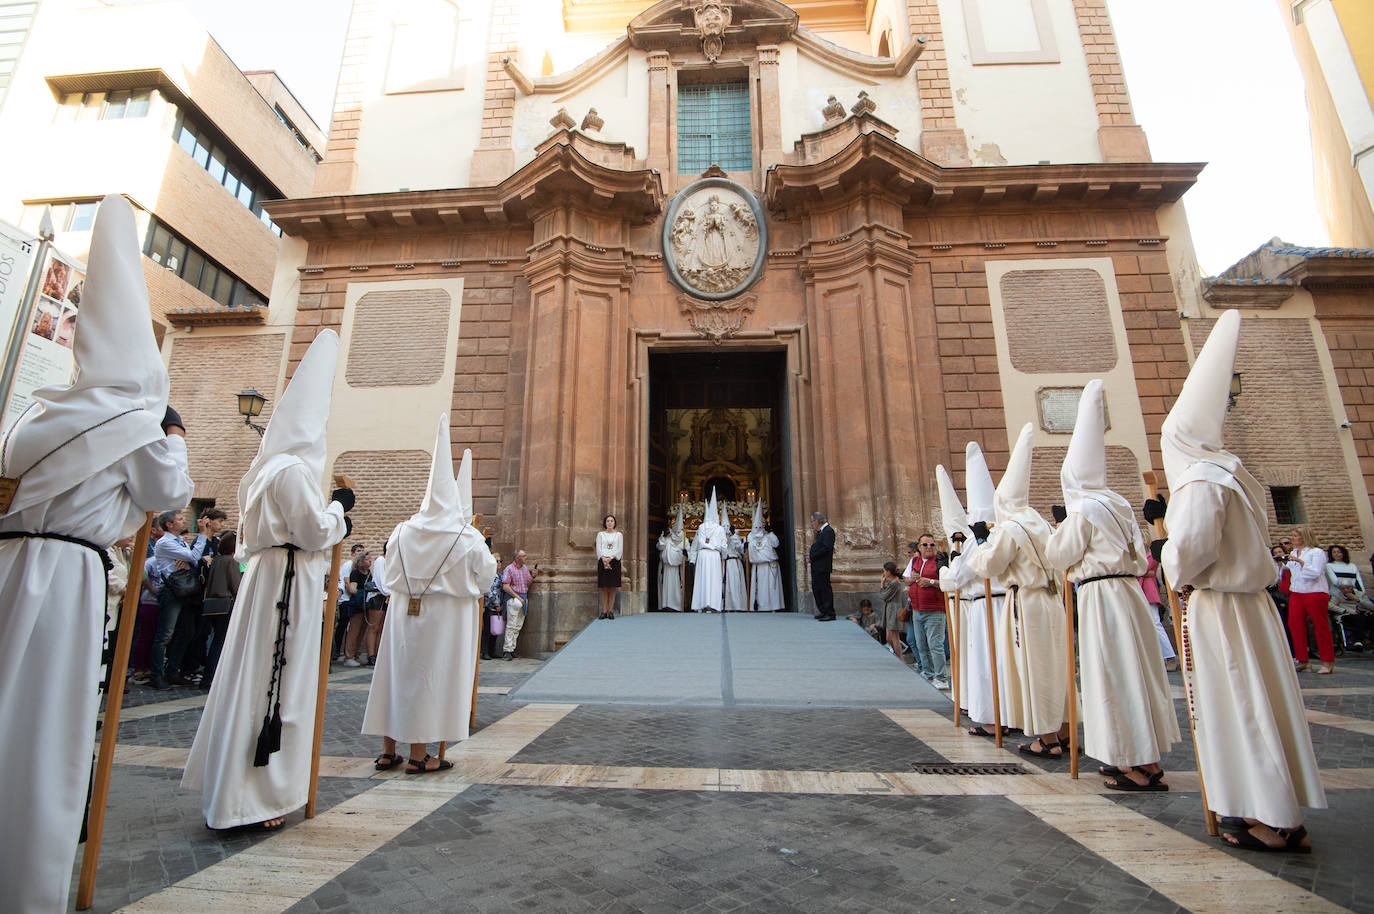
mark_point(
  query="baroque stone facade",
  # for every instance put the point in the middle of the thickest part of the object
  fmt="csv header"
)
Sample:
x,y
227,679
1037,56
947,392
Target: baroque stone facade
x,y
911,295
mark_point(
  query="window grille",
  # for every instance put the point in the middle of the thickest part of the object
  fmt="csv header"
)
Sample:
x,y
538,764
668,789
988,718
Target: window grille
x,y
713,127
1287,508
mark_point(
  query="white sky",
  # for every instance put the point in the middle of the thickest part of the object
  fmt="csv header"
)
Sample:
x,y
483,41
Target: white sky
x,y
1211,80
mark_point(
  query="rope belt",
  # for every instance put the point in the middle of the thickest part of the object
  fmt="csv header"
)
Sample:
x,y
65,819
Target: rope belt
x,y
983,596
269,737
1103,577
63,538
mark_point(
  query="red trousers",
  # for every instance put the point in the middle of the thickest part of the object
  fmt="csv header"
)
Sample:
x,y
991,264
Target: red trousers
x,y
1300,607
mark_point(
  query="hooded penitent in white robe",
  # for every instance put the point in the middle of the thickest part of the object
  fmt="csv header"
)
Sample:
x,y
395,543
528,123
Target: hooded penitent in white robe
x,y
52,593
1015,553
765,586
971,646
980,495
708,587
736,596
1128,709
1253,744
671,555
280,502
422,688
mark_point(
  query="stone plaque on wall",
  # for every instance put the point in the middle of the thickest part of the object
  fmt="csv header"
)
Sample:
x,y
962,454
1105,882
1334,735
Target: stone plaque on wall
x,y
1059,409
714,239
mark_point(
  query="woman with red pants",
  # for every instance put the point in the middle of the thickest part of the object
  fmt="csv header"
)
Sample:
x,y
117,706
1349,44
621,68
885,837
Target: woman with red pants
x,y
1308,598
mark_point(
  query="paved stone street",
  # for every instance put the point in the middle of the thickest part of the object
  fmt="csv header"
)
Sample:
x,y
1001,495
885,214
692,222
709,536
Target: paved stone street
x,y
707,807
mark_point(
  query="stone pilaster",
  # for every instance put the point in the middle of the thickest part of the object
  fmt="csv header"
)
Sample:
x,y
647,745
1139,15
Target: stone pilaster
x,y
1118,136
770,115
338,172
494,158
942,140
659,141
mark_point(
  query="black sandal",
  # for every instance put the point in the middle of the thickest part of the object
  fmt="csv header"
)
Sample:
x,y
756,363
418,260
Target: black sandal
x,y
1111,771
979,731
1292,841
1233,823
1153,785
387,761
1045,750
444,765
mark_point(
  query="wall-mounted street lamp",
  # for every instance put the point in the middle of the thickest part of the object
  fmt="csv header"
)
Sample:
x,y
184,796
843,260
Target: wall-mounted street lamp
x,y
250,404
1234,394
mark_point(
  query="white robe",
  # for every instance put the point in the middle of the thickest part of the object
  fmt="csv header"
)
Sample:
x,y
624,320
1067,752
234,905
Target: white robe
x,y
708,587
1128,709
736,596
765,586
52,612
975,678
422,687
1035,618
670,558
284,505
1253,744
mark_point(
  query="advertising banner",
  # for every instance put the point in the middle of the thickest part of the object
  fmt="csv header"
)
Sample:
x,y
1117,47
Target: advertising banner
x,y
46,358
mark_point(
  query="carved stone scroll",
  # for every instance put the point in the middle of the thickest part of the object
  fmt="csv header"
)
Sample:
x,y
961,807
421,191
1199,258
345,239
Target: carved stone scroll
x,y
716,320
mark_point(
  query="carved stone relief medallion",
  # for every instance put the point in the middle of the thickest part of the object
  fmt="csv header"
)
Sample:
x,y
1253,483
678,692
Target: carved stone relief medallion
x,y
715,239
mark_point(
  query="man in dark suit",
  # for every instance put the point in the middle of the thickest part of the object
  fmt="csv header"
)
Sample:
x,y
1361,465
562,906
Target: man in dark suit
x,y
821,560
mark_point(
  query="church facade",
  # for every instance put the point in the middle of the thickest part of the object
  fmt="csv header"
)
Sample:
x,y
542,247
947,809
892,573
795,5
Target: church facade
x,y
798,254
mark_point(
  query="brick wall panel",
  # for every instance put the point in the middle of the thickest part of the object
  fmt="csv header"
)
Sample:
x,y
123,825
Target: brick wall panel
x,y
389,486
1053,312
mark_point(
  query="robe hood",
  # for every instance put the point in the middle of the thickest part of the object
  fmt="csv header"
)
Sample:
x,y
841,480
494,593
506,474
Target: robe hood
x,y
442,508
678,531
116,402
756,531
296,429
978,488
1192,439
465,515
1084,475
1012,498
952,517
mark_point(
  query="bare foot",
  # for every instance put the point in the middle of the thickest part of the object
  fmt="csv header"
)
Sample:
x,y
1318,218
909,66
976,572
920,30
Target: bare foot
x,y
274,823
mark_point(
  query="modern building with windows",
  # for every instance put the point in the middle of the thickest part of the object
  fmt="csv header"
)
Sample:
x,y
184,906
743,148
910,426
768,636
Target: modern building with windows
x,y
798,254
136,98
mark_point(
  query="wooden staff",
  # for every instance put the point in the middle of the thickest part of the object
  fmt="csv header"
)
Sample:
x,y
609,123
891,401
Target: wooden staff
x,y
1073,679
331,589
114,698
1176,606
952,638
992,659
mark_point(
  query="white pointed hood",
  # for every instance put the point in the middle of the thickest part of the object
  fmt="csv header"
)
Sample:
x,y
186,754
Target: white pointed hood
x,y
465,513
115,404
978,487
1192,439
1084,476
678,528
952,517
442,508
1012,499
296,429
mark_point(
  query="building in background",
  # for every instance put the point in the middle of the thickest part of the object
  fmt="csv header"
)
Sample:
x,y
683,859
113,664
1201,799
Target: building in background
x,y
1334,43
797,254
137,99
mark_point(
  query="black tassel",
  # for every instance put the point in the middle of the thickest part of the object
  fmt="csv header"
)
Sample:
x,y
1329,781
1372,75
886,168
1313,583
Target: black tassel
x,y
269,738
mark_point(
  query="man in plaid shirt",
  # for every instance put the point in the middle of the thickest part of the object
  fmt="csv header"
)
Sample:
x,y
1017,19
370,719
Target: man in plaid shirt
x,y
516,581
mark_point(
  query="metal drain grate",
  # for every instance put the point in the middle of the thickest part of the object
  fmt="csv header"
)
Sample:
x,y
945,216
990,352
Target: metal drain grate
x,y
985,768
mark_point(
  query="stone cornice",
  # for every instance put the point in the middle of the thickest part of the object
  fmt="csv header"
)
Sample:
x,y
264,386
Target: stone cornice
x,y
917,182
1333,272
561,166
238,315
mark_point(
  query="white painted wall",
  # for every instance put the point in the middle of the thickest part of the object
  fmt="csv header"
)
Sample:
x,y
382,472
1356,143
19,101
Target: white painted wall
x,y
620,96
805,84
1022,114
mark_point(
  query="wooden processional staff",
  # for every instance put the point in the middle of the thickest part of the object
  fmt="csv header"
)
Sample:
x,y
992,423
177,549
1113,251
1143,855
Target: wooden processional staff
x,y
1073,678
331,589
952,639
114,699
1184,649
992,661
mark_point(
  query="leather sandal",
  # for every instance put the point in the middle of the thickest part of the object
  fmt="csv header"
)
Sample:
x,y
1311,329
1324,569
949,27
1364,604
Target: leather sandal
x,y
1292,841
1153,785
387,761
1046,750
422,765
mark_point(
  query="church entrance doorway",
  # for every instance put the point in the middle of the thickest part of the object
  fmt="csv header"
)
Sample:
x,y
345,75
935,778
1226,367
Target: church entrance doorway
x,y
719,419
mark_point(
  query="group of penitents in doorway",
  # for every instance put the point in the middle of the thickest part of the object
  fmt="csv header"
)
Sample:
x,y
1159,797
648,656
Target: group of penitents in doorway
x,y
717,553
86,463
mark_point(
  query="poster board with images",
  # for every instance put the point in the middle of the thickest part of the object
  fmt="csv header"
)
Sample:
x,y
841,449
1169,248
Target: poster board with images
x,y
46,358
17,251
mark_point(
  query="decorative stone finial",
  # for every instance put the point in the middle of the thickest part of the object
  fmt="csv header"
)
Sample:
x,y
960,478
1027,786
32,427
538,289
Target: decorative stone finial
x,y
864,105
591,121
562,120
833,110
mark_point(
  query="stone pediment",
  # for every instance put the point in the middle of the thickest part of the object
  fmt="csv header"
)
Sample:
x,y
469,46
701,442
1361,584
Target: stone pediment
x,y
673,24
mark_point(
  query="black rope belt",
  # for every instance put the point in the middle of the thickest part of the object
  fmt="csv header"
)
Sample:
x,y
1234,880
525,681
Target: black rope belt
x,y
64,538
983,596
1103,577
269,737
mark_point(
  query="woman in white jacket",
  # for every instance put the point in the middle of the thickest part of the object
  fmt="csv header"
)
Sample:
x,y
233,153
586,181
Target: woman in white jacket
x,y
1309,597
610,545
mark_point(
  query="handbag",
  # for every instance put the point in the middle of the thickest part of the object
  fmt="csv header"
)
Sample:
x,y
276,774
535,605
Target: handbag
x,y
497,624
217,606
183,583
